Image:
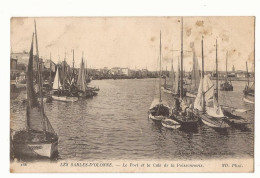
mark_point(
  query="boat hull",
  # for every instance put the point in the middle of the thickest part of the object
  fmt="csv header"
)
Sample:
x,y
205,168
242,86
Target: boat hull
x,y
213,122
226,87
170,124
186,122
167,91
28,148
64,98
191,95
249,99
156,118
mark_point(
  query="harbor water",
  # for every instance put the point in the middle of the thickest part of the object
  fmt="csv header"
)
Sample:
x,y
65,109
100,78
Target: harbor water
x,y
114,125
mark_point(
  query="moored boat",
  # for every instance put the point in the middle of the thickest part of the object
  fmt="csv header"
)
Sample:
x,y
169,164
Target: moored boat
x,y
206,102
60,94
191,94
182,111
64,98
84,91
170,124
227,85
249,99
169,88
249,91
39,139
159,109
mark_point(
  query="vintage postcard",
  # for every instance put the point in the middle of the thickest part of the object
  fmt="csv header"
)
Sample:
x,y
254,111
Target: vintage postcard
x,y
132,94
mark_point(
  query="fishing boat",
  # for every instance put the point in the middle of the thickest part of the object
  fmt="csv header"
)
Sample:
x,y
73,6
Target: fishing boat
x,y
233,117
159,109
184,114
206,104
63,91
39,139
170,124
210,112
60,94
249,91
249,99
227,85
169,88
195,78
83,90
93,88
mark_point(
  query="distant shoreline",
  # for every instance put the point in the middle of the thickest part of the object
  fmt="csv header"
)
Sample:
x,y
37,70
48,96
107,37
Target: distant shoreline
x,y
233,79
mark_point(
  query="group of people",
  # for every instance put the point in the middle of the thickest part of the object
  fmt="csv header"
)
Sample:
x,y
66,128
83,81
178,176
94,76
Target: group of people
x,y
182,107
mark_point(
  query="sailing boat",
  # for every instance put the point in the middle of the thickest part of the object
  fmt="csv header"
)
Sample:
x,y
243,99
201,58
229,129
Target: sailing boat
x,y
93,88
159,109
39,138
227,85
83,90
59,93
165,88
185,117
209,111
195,75
249,91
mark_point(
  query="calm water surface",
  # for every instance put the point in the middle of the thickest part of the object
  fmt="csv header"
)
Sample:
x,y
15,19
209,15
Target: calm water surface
x,y
115,125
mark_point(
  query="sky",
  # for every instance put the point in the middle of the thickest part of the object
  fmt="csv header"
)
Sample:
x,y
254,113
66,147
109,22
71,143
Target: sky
x,y
133,42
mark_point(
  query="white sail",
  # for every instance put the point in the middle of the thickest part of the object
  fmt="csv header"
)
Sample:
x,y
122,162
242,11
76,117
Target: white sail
x,y
198,100
216,110
212,107
56,83
81,82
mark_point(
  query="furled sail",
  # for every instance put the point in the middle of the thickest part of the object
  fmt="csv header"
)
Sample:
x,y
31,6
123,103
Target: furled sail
x,y
198,100
195,75
36,119
172,78
81,82
212,107
176,81
31,96
56,83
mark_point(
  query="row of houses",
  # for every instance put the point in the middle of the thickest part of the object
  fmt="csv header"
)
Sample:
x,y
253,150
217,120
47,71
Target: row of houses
x,y
19,63
118,72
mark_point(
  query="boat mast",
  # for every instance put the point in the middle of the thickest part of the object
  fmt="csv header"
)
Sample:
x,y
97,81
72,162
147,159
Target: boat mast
x,y
160,69
226,66
217,69
73,63
203,94
39,79
181,94
63,85
247,75
172,72
86,71
50,71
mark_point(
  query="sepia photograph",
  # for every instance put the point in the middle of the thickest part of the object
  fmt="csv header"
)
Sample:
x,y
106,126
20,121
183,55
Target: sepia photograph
x,y
132,94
